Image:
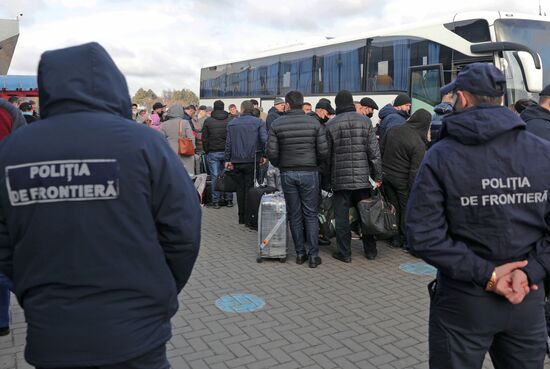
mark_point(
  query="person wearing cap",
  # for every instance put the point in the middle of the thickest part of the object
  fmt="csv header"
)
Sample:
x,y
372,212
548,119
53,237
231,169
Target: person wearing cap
x,y
324,111
159,109
26,110
354,157
368,106
403,149
537,117
214,135
394,114
100,224
275,112
479,213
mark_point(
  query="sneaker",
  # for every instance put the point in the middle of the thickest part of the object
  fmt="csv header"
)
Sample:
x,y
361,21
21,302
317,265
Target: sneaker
x,y
229,204
4,331
216,206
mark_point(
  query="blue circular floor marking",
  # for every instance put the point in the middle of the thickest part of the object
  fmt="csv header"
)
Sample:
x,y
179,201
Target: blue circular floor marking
x,y
239,303
418,268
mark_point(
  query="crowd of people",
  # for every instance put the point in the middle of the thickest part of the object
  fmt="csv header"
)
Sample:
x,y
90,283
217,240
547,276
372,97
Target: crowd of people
x,y
475,205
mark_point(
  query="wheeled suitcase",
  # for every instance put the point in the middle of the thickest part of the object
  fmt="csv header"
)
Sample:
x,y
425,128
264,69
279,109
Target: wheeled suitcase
x,y
253,199
272,228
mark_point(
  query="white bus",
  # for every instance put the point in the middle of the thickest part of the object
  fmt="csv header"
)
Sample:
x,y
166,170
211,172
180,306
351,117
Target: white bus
x,y
416,60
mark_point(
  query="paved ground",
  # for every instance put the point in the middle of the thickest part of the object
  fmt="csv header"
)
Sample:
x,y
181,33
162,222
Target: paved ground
x,y
367,314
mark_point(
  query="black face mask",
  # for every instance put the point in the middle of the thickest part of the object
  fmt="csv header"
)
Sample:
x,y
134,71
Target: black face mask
x,y
370,115
324,120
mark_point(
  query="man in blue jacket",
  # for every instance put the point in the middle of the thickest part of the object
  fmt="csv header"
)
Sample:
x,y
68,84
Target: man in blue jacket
x,y
246,137
479,212
393,115
99,222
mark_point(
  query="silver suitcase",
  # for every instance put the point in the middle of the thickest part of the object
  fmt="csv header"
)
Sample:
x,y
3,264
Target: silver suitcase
x,y
272,228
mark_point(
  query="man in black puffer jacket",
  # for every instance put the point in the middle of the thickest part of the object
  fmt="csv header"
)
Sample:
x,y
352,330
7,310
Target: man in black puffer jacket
x,y
353,151
403,149
297,146
214,134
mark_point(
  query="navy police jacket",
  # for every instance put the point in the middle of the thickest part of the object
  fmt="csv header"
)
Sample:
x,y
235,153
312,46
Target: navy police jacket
x,y
481,199
99,222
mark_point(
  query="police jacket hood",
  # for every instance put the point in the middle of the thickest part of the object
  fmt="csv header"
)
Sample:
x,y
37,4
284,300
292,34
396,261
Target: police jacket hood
x,y
480,124
66,85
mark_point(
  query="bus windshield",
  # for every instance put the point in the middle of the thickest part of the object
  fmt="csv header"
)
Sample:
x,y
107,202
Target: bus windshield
x,y
531,33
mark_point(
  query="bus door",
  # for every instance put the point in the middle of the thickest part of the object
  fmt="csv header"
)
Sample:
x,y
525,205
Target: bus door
x,y
424,84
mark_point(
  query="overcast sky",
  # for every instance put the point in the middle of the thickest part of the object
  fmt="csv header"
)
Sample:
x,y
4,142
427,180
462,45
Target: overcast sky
x,y
161,44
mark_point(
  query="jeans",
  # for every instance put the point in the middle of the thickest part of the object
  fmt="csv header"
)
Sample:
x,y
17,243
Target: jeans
x,y
216,162
301,191
343,201
5,286
245,175
153,359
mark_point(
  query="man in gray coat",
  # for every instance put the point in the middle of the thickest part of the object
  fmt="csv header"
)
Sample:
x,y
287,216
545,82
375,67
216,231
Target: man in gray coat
x,y
353,151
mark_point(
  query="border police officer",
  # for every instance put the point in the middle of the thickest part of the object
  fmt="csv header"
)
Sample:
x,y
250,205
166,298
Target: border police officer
x,y
479,212
99,221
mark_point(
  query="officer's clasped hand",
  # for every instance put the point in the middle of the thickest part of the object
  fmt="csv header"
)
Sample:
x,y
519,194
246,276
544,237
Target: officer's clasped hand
x,y
512,282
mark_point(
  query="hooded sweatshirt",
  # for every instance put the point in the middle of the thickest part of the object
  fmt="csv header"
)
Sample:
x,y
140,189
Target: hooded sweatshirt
x,y
538,121
480,200
390,117
94,232
404,146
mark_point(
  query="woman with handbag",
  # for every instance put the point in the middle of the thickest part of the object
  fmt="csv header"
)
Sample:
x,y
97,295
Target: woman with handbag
x,y
180,137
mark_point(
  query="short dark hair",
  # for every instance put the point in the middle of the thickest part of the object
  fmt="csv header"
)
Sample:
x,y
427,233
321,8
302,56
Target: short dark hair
x,y
254,102
294,99
306,103
246,106
255,112
232,106
486,100
13,99
134,104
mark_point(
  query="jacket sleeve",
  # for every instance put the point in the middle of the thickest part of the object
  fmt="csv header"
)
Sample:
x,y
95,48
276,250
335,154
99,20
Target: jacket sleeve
x,y
177,213
228,143
428,235
321,145
373,153
538,266
262,137
6,249
273,147
205,137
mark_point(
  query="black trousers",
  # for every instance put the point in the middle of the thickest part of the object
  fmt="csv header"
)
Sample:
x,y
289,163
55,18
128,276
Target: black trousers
x,y
397,193
464,327
343,201
155,359
245,175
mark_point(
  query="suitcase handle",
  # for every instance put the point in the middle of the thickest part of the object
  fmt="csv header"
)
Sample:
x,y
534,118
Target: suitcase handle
x,y
268,238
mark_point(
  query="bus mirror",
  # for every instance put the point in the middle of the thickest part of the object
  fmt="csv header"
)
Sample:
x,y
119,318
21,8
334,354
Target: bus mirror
x,y
531,75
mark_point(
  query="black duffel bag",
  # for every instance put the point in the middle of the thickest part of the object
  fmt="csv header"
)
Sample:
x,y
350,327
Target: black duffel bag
x,y
227,182
378,216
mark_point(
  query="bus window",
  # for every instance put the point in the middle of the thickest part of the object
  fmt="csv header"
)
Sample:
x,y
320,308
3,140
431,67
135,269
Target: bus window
x,y
425,82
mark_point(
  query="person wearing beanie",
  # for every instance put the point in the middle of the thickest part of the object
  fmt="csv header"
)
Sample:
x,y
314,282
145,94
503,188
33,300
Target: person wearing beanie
x,y
354,157
403,148
394,114
214,135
